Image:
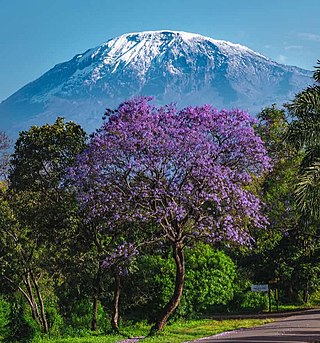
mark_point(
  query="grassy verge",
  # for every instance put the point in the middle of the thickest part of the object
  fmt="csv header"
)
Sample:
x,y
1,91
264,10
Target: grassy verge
x,y
177,332
289,308
86,339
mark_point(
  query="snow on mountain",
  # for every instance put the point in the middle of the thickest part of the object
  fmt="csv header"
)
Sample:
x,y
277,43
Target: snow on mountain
x,y
172,66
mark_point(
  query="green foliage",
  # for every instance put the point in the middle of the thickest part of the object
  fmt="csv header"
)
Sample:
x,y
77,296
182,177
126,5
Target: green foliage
x,y
277,187
208,281
39,165
43,153
284,250
4,155
246,300
178,332
55,321
304,133
4,317
20,328
275,247
78,319
257,301
39,216
42,236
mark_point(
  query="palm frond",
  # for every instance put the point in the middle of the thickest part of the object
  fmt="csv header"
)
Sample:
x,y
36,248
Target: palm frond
x,y
307,192
311,156
304,133
316,74
306,103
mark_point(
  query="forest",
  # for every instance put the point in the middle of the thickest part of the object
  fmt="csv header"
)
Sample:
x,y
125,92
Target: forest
x,y
160,215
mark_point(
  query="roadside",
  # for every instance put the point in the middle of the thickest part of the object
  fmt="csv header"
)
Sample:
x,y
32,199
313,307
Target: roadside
x,y
261,315
296,327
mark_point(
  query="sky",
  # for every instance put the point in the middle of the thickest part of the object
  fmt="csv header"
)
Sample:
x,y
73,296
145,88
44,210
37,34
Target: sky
x,y
35,35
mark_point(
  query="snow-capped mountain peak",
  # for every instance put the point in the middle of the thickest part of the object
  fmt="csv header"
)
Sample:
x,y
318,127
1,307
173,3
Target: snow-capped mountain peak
x,y
173,66
142,48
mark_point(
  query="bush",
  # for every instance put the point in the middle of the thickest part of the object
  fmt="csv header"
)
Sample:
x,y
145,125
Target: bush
x,y
208,281
246,300
55,321
4,317
78,322
21,327
257,301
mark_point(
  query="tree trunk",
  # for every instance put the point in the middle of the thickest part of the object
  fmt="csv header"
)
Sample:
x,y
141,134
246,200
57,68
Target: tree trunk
x,y
306,292
43,317
116,297
32,302
95,303
28,295
178,255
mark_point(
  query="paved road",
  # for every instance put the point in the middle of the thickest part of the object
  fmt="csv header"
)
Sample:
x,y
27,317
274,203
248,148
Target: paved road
x,y
294,329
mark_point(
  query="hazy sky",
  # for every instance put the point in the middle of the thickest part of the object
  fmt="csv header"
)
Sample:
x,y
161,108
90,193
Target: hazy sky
x,y
37,34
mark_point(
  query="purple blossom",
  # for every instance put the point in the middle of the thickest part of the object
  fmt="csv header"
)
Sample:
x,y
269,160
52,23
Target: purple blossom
x,y
185,170
120,258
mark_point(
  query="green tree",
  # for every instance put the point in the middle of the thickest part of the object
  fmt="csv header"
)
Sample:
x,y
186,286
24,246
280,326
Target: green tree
x,y
304,133
277,186
42,156
209,281
43,212
281,250
4,155
19,260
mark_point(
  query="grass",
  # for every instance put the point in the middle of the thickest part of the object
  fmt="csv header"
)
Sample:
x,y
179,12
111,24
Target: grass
x,y
93,339
190,330
295,307
181,331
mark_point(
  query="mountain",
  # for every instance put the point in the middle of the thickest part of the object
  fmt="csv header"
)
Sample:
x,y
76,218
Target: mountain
x,y
180,67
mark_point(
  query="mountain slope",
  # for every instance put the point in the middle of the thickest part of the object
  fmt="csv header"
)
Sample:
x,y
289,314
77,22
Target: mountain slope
x,y
172,66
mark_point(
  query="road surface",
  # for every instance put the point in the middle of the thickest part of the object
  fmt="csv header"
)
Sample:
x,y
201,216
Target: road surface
x,y
299,328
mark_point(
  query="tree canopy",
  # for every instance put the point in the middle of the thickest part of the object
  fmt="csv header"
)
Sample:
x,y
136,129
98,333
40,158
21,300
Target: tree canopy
x,y
4,155
184,171
304,133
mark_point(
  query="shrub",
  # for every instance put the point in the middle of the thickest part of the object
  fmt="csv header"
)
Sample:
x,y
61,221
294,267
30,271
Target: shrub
x,y
4,317
208,281
21,327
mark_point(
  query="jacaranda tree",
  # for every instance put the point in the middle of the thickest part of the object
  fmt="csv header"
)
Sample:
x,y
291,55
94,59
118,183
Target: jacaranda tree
x,y
183,172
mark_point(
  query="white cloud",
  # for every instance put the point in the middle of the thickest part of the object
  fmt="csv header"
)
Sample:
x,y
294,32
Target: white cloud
x,y
268,46
282,59
293,47
310,36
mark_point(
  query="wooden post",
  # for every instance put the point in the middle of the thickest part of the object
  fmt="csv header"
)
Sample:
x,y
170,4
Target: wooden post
x,y
269,296
277,297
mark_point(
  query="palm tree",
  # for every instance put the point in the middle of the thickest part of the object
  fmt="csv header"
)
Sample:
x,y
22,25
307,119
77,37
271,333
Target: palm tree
x,y
304,133
316,74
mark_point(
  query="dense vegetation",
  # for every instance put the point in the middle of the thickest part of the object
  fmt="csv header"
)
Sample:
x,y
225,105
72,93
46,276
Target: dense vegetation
x,y
160,214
